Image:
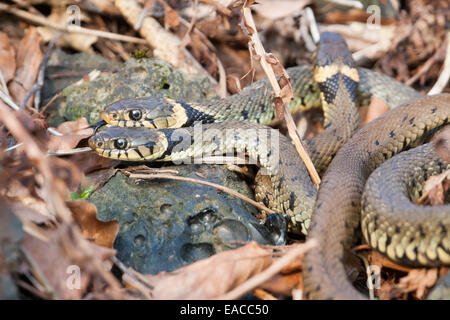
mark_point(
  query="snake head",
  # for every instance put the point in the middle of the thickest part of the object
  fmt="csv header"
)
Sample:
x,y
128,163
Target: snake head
x,y
150,112
332,48
129,144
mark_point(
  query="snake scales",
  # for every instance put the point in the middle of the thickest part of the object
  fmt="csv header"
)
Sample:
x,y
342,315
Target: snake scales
x,y
334,226
336,215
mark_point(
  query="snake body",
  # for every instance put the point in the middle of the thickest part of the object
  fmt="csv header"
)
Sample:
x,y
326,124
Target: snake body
x,y
293,192
336,77
338,207
336,213
388,200
254,103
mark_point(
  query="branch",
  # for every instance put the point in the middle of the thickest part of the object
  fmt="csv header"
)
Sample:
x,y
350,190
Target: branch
x,y
206,183
445,74
282,95
72,29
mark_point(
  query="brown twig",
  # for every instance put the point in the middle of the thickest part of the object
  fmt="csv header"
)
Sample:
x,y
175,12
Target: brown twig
x,y
72,29
68,152
444,77
70,237
186,38
281,97
206,183
36,89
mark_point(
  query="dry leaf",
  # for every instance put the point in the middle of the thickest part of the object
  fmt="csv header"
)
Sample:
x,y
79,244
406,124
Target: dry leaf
x,y
88,162
56,267
64,266
387,289
233,83
32,209
66,171
263,295
7,58
208,278
98,178
77,41
283,284
103,6
29,57
171,19
11,234
435,188
100,232
418,281
73,132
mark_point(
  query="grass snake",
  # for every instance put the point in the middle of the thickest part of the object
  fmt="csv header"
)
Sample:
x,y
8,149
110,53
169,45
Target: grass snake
x,y
336,84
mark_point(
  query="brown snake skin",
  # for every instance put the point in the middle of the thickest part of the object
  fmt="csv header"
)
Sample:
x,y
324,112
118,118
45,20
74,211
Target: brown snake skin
x,y
337,211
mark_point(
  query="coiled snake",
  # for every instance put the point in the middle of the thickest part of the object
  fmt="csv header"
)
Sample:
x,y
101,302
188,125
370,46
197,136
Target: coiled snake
x,y
337,209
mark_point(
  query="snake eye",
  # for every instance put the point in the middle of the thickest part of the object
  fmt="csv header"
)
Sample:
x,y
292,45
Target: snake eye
x,y
135,115
120,143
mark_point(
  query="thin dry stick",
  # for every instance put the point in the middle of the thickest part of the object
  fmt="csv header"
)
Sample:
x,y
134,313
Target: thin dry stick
x,y
8,100
259,49
13,147
73,29
206,183
55,203
187,38
3,83
348,3
369,276
252,283
68,152
313,28
444,77
134,278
